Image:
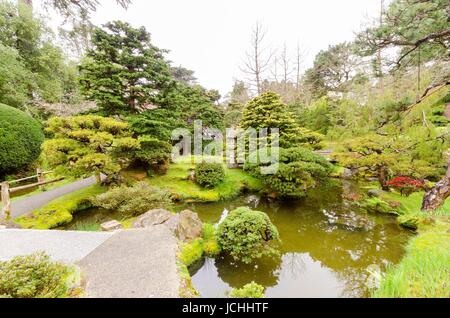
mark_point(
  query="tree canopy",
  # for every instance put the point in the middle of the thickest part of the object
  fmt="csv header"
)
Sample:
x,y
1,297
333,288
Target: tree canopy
x,y
123,72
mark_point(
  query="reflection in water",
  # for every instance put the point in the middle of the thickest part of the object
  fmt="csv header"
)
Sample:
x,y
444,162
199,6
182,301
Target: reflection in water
x,y
318,258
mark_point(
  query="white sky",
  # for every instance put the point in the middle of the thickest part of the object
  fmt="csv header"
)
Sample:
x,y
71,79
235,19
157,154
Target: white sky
x,y
211,37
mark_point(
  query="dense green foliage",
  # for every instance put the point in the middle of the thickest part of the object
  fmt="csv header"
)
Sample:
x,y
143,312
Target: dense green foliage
x,y
268,111
123,71
20,139
32,68
299,170
385,157
251,290
153,153
247,235
333,70
84,145
209,174
34,276
408,24
134,200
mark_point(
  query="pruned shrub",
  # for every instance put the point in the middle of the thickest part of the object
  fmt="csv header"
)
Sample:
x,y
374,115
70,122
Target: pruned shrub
x,y
252,290
34,276
133,200
299,169
21,137
209,175
247,235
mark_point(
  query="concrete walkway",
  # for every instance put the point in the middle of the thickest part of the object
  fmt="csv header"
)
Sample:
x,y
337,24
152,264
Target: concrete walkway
x,y
133,264
62,246
31,203
139,263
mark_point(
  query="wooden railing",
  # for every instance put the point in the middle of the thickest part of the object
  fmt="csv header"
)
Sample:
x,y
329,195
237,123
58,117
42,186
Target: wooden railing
x,y
6,189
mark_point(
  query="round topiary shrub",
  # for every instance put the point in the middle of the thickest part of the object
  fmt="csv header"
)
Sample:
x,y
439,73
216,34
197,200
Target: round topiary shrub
x,y
247,235
21,137
209,175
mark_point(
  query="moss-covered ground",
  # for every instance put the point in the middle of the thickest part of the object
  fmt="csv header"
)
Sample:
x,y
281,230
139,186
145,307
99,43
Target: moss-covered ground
x,y
176,180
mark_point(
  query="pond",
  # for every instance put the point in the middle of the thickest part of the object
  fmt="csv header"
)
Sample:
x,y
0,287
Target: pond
x,y
328,245
320,255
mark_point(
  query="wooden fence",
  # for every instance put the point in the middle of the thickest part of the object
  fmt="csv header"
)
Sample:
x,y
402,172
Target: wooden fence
x,y
6,189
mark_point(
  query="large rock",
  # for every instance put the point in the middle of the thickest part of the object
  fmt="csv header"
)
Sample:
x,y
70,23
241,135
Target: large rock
x,y
186,226
111,226
152,217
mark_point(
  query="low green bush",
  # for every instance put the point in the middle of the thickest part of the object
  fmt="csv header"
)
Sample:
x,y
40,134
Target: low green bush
x,y
21,137
209,175
252,290
134,200
247,235
35,276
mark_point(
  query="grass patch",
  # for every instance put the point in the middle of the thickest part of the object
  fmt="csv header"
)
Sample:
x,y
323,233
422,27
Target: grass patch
x,y
60,211
423,272
177,182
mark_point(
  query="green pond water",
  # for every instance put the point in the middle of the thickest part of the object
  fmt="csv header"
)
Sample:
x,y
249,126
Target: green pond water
x,y
320,256
328,245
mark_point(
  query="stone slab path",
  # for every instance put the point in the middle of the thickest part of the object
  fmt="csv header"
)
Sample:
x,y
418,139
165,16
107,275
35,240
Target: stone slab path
x,y
133,264
61,246
31,203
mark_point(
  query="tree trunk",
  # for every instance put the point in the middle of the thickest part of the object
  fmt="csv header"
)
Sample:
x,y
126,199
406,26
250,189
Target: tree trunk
x,y
436,197
382,178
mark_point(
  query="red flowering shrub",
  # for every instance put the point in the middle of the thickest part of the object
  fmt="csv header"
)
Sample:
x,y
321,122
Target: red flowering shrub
x,y
406,185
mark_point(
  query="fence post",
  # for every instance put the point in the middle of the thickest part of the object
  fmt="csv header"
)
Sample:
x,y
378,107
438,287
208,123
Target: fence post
x,y
40,177
6,202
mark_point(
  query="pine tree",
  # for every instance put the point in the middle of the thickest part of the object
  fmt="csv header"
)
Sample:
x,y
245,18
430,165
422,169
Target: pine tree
x,y
124,71
268,111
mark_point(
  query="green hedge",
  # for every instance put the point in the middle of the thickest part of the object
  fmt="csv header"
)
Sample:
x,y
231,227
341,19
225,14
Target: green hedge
x,y
21,137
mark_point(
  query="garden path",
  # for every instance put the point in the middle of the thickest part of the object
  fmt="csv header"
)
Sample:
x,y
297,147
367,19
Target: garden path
x,y
30,203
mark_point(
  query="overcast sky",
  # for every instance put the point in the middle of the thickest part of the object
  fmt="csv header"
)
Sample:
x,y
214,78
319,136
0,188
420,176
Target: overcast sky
x,y
211,36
